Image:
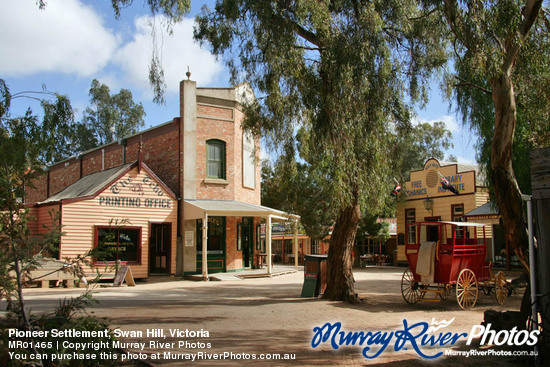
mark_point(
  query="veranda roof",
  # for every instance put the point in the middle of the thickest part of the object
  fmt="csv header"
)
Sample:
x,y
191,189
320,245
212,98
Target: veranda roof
x,y
195,209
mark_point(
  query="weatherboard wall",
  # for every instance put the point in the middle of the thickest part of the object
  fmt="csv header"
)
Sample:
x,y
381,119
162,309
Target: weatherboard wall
x,y
426,183
80,218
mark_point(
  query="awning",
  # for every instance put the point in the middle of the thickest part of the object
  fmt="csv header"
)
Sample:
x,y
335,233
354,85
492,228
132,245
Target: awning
x,y
202,209
195,209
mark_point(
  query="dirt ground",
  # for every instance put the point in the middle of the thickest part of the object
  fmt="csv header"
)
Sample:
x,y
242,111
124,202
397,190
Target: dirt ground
x,y
267,315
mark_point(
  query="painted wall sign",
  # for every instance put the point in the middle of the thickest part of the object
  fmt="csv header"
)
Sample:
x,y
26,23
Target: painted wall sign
x,y
124,201
117,187
143,192
426,182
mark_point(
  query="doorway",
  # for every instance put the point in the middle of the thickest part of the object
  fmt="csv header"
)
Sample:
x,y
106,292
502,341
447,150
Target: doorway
x,y
159,248
432,232
247,241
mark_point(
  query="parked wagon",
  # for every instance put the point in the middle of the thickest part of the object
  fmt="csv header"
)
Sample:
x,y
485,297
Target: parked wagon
x,y
443,256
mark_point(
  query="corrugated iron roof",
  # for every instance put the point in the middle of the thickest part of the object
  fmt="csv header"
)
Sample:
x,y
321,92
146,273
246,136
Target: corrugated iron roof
x,y
88,185
195,209
486,209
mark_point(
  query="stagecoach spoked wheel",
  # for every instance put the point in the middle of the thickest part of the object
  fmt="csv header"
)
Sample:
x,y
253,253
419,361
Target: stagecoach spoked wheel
x,y
501,287
466,289
409,288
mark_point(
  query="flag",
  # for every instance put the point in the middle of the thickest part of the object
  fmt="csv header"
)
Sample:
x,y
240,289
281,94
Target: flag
x,y
447,186
396,190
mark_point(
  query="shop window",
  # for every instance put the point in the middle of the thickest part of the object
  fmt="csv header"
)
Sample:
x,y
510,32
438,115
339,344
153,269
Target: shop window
x,y
216,236
457,214
410,217
315,247
215,159
113,244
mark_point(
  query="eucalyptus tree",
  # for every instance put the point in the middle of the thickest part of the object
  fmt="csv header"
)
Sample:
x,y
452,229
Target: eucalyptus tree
x,y
112,117
501,49
340,72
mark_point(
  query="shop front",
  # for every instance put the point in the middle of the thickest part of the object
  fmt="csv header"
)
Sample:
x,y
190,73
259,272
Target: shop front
x,y
425,198
124,215
225,235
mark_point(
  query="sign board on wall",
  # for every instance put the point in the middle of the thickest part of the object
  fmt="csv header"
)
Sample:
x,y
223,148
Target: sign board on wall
x,y
189,238
249,164
427,182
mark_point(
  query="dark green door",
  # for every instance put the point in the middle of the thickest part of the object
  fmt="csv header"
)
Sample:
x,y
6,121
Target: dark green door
x,y
247,241
215,247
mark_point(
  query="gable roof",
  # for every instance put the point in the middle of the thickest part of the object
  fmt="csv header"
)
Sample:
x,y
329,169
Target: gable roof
x,y
93,184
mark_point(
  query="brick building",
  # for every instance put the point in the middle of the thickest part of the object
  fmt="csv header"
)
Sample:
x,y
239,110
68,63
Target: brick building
x,y
203,158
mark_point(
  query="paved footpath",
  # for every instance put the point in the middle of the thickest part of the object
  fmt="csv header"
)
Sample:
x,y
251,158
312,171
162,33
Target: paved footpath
x,y
238,320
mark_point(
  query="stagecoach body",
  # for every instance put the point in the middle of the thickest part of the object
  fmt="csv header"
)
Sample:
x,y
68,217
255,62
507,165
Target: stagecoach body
x,y
445,255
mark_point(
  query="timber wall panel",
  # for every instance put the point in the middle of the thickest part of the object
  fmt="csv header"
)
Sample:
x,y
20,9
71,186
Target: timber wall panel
x,y
80,219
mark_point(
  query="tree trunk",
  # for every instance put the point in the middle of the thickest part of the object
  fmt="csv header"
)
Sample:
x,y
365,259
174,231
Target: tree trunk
x,y
340,282
506,188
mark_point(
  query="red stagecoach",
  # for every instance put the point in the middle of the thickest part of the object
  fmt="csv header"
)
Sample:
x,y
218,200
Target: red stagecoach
x,y
443,255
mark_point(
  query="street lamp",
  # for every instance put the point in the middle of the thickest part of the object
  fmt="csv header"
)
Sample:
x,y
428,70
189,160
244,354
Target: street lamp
x,y
428,205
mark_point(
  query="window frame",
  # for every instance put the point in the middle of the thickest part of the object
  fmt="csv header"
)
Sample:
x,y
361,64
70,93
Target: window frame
x,y
139,244
219,143
408,220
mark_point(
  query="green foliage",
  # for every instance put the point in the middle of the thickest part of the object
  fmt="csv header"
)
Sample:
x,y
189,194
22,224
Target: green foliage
x,y
484,32
112,117
371,227
417,144
288,186
336,70
173,9
22,152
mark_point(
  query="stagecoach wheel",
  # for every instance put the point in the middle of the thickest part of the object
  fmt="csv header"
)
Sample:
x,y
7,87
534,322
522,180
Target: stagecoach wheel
x,y
466,289
501,287
409,288
446,292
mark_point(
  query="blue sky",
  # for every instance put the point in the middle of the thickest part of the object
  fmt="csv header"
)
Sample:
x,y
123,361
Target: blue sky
x,y
72,42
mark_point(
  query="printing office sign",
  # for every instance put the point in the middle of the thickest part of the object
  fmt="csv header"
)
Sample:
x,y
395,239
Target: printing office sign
x,y
426,182
135,192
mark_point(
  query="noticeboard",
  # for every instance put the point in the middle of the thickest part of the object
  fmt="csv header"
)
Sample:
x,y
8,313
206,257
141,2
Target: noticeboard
x,y
124,274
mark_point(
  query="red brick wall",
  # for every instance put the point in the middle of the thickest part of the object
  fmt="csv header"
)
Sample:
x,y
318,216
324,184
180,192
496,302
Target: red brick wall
x,y
234,258
160,153
207,110
231,133
63,175
38,191
222,130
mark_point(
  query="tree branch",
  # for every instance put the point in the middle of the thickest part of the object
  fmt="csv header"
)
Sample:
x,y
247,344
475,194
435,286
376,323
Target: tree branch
x,y
422,16
465,83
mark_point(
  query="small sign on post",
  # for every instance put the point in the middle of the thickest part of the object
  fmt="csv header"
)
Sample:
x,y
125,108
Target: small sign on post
x,y
124,274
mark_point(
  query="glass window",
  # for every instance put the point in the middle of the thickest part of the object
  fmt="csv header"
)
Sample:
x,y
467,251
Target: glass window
x,y
458,216
118,244
215,159
216,236
410,217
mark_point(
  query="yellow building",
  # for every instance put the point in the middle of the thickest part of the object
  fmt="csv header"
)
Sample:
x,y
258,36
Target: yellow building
x,y
425,199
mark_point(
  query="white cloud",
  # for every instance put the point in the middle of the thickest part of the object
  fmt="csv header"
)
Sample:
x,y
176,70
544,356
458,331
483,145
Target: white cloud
x,y
177,52
68,37
449,121
465,160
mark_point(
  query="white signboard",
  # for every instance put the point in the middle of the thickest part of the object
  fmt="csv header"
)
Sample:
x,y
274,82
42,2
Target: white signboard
x,y
189,238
